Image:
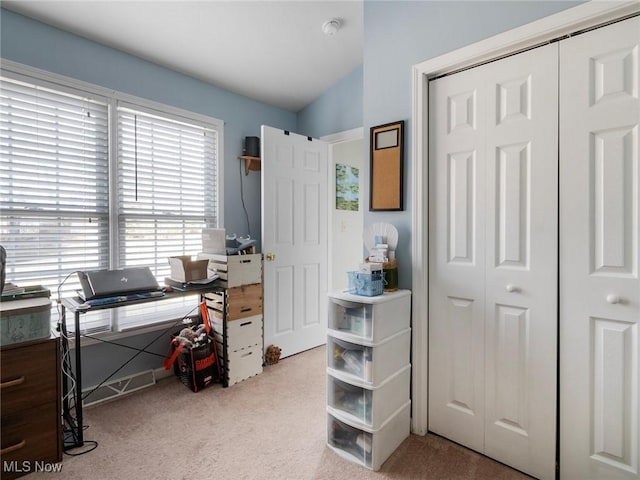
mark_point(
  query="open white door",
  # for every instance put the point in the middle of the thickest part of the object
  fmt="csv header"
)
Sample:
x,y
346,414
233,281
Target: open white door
x,y
294,240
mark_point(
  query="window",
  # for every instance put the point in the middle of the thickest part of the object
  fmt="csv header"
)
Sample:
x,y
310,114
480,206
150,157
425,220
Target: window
x,y
100,180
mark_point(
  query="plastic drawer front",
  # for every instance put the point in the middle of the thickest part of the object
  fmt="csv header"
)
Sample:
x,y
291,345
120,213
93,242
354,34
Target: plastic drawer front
x,y
368,447
371,319
365,405
367,362
242,333
241,364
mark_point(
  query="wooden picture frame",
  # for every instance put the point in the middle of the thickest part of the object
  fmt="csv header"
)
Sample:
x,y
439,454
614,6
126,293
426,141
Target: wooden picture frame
x,y
387,167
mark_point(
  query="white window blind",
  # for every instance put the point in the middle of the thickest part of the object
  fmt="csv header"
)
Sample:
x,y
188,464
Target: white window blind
x,y
68,203
166,187
53,184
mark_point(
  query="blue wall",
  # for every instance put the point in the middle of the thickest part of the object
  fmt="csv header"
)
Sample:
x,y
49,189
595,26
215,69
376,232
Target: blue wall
x,y
400,34
336,110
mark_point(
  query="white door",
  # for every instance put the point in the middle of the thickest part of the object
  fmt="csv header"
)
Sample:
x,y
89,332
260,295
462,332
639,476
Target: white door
x,y
294,240
599,248
493,307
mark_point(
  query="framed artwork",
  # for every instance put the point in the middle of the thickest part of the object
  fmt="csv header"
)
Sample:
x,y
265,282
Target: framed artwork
x,y
387,159
347,187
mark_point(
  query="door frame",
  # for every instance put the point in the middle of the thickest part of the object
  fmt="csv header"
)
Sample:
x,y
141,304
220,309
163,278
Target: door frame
x,y
334,139
567,22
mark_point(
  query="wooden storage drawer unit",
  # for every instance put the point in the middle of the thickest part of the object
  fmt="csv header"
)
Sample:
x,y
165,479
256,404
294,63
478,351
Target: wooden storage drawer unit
x,y
236,270
31,405
246,332
240,302
241,364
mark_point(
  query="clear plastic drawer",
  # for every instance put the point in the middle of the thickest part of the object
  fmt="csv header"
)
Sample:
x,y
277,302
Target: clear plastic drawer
x,y
365,405
367,361
369,318
367,447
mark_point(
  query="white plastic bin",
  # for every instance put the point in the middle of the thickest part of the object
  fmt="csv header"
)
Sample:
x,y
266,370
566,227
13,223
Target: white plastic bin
x,y
368,362
374,319
368,447
365,405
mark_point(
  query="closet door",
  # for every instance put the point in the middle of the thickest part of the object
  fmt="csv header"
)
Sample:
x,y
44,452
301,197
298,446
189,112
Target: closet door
x,y
493,259
599,243
457,108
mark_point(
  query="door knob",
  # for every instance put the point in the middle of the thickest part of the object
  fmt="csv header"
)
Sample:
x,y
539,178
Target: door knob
x,y
270,257
613,298
512,288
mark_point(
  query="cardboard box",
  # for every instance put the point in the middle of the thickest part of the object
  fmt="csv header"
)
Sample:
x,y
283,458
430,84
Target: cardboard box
x,y
183,269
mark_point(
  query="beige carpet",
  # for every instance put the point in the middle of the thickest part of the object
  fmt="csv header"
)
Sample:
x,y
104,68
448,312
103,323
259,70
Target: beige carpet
x,y
272,426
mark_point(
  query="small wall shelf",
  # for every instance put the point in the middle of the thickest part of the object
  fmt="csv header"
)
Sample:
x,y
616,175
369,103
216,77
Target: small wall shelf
x,y
250,163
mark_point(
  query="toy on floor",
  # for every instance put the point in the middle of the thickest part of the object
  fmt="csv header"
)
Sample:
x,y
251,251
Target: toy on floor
x,y
272,355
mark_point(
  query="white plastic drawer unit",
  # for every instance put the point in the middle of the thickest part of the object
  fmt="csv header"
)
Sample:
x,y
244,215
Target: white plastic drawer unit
x,y
365,405
369,318
368,447
368,362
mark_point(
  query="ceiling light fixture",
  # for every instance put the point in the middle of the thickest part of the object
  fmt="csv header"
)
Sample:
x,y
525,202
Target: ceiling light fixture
x,y
331,27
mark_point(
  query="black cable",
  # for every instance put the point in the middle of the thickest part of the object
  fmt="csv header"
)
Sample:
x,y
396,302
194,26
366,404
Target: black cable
x,y
246,213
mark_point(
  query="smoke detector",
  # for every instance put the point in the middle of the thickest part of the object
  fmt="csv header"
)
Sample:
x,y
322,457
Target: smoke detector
x,y
331,27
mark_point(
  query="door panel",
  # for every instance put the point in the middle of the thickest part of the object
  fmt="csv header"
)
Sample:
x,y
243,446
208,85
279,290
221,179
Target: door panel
x,y
456,306
521,264
599,243
294,225
493,259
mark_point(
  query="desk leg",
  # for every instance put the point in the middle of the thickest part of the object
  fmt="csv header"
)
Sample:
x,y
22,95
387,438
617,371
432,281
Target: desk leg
x,y
74,426
78,405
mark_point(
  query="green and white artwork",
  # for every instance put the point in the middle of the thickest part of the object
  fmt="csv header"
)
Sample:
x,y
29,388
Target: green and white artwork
x,y
347,188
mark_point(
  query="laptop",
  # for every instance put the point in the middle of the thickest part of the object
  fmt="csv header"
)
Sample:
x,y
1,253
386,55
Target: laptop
x,y
110,283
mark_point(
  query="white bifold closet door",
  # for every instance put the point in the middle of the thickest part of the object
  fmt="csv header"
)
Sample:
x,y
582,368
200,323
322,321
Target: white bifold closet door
x,y
599,264
493,259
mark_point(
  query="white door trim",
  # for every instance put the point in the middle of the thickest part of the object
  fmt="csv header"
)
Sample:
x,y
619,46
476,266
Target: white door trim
x,y
569,21
334,139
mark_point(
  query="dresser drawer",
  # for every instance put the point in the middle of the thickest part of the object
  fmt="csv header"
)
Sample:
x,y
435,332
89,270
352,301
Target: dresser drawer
x,y
29,376
31,435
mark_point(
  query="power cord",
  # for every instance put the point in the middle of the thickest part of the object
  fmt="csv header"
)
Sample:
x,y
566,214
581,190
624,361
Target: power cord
x,y
246,213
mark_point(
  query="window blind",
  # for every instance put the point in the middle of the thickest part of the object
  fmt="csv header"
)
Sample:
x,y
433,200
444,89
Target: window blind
x,y
53,184
166,187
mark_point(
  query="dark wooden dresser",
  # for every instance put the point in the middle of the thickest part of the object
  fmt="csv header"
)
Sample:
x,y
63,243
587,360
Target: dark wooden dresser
x,y
31,409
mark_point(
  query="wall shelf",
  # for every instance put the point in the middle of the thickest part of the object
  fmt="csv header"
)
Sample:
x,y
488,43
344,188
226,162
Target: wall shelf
x,y
250,163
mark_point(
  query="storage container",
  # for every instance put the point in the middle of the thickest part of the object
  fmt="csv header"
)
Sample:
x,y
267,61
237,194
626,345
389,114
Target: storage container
x,y
374,319
235,270
368,447
241,364
240,302
367,362
25,320
245,332
184,269
368,405
366,284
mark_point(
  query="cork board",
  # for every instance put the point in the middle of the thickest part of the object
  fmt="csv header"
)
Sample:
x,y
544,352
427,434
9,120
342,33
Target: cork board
x,y
387,155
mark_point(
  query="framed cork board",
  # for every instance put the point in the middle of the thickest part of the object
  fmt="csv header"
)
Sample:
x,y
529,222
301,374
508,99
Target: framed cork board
x,y
387,154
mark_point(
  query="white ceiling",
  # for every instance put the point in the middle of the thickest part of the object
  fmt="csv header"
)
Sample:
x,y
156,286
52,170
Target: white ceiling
x,y
271,51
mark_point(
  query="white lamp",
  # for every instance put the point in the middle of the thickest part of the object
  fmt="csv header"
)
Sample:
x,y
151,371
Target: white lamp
x,y
331,27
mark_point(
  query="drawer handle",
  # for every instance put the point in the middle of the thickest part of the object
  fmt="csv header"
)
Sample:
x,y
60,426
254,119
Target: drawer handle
x,y
13,448
246,309
12,383
245,324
